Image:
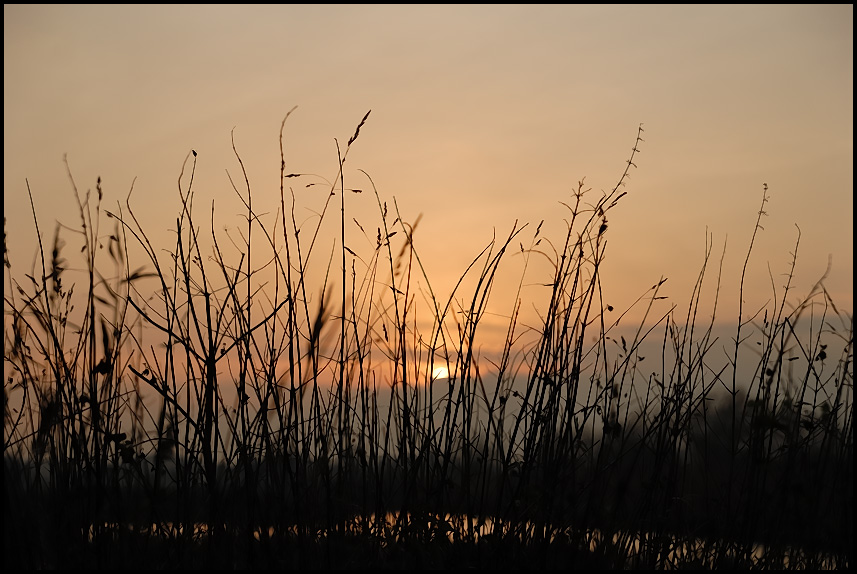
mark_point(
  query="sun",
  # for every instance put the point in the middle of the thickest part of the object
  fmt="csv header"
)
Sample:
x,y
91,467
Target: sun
x,y
439,373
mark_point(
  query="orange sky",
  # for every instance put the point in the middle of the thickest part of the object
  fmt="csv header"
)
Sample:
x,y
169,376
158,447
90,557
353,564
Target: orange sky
x,y
481,115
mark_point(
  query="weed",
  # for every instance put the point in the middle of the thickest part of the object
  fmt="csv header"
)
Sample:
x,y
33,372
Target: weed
x,y
278,412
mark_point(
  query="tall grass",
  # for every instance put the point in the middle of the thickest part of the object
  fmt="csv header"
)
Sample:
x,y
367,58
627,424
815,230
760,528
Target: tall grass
x,y
202,410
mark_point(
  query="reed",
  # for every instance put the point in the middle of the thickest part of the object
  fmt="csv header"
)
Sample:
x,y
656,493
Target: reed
x,y
275,406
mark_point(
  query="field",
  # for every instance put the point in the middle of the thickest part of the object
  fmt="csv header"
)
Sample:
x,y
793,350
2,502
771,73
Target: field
x,y
195,409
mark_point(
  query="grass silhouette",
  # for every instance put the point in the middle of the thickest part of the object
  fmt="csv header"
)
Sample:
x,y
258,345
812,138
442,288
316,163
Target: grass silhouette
x,y
205,412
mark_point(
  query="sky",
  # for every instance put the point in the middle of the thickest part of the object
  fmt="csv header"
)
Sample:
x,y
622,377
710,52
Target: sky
x,y
481,116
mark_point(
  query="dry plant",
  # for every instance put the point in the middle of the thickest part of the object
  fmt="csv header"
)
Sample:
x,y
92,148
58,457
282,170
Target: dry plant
x,y
200,411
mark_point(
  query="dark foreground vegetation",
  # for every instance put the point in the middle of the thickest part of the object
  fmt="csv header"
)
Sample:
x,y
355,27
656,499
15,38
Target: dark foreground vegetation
x,y
195,410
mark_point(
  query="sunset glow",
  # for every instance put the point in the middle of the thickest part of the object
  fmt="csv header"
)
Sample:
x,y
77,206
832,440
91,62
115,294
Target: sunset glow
x,y
428,286
439,373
